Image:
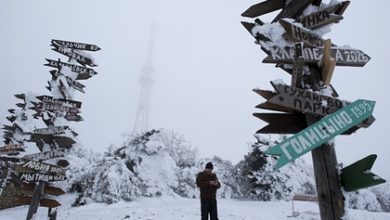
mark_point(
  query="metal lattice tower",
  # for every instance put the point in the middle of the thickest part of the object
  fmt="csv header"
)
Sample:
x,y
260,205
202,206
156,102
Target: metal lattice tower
x,y
146,81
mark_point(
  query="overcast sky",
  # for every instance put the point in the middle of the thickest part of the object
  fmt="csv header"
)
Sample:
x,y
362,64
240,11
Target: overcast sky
x,y
206,65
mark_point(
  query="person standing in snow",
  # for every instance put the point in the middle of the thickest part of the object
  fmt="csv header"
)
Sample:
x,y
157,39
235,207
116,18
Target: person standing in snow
x,y
208,184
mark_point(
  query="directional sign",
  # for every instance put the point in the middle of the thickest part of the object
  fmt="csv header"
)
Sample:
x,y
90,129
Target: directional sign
x,y
325,16
293,9
75,84
50,190
45,155
322,131
75,45
84,73
52,130
35,166
296,33
83,60
37,177
305,101
48,203
263,8
281,123
12,147
54,107
343,57
67,102
62,141
358,175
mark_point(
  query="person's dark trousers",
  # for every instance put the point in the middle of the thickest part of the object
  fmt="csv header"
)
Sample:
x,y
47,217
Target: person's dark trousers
x,y
209,206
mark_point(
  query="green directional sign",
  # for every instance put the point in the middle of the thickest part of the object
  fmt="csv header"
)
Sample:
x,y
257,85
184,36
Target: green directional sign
x,y
322,131
358,175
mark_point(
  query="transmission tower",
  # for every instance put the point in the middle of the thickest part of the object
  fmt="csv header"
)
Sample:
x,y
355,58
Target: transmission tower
x,y
146,81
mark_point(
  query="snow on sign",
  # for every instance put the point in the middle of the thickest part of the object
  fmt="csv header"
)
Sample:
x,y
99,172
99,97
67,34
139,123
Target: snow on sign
x,y
296,33
84,73
322,131
343,57
305,101
35,166
325,16
76,45
83,60
45,155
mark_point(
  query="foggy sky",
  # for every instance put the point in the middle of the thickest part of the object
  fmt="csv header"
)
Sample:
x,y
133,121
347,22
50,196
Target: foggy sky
x,y
206,65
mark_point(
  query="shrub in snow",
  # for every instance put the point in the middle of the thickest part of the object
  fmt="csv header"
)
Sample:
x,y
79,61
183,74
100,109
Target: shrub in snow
x,y
375,198
258,180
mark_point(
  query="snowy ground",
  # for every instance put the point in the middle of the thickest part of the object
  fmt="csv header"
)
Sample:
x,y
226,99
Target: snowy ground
x,y
184,209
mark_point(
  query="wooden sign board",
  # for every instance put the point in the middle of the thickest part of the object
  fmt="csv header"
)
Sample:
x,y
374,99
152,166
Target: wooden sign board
x,y
84,73
305,101
325,16
75,84
263,8
296,33
75,45
67,102
41,167
322,131
83,60
343,57
293,9
358,175
52,130
38,177
49,190
61,141
281,123
46,155
12,147
54,107
48,203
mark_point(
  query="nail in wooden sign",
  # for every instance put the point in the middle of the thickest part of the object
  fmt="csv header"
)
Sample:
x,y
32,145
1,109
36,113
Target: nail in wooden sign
x,y
75,45
322,131
343,57
84,73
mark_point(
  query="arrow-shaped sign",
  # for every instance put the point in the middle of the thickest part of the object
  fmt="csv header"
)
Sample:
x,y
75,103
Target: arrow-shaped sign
x,y
358,175
296,33
81,59
38,177
322,131
75,45
84,73
39,167
263,8
343,57
46,155
26,200
66,102
325,16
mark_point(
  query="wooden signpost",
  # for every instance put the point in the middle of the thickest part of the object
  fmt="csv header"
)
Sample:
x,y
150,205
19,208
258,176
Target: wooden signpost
x,y
313,118
343,57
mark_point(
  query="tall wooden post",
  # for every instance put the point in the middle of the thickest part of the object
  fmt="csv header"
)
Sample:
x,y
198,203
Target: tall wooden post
x,y
36,198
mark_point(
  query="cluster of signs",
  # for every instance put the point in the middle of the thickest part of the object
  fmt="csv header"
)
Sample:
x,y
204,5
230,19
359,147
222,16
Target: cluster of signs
x,y
338,116
19,176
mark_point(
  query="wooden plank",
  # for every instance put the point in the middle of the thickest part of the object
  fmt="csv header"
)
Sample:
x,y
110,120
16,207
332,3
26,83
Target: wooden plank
x,y
343,57
50,190
37,177
298,34
67,102
293,9
83,72
46,155
83,60
34,200
281,123
305,197
328,15
327,64
32,166
75,45
263,8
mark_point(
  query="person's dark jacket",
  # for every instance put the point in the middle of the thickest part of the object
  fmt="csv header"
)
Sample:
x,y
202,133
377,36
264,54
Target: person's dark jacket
x,y
207,191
